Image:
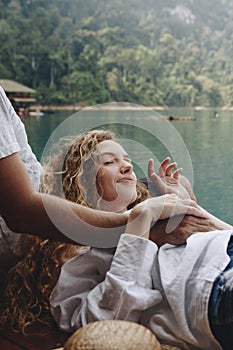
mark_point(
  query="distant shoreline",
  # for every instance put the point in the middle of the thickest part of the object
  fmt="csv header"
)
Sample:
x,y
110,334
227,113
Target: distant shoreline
x,y
120,106
98,107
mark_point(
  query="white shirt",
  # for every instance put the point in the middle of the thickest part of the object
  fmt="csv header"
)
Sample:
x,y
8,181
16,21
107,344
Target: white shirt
x,y
13,139
167,290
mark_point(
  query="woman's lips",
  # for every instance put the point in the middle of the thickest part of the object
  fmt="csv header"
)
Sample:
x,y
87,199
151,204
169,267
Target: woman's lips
x,y
126,179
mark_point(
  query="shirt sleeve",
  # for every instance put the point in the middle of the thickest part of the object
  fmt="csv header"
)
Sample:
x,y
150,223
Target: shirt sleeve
x,y
8,140
99,286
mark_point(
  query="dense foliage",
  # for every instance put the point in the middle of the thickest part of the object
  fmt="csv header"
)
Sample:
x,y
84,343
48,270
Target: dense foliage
x,y
151,52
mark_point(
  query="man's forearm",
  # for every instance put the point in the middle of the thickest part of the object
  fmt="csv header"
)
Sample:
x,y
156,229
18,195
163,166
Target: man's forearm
x,y
60,220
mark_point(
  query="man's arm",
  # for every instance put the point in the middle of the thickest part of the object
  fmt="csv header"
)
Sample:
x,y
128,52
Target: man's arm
x,y
27,211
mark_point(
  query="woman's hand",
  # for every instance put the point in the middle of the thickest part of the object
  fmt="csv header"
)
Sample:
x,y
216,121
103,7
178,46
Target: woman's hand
x,y
146,213
168,205
169,180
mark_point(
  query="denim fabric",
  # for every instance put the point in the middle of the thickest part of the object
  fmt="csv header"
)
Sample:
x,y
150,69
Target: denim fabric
x,y
221,304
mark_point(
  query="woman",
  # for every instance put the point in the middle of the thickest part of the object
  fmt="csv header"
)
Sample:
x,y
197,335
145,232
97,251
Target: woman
x,y
170,290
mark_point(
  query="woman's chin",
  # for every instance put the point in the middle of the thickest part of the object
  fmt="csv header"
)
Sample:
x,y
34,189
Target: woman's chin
x,y
118,203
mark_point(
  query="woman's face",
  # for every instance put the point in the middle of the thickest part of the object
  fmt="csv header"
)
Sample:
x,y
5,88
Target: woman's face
x,y
116,180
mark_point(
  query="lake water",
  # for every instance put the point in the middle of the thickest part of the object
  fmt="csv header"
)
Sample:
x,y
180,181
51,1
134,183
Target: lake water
x,y
203,147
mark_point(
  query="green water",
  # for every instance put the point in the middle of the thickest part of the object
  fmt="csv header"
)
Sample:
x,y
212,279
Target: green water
x,y
206,140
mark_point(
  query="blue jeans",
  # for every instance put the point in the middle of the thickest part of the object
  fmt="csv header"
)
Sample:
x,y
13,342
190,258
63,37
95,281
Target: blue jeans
x,y
221,305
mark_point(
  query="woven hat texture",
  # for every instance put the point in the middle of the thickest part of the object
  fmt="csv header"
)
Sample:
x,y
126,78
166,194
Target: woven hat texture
x,y
112,335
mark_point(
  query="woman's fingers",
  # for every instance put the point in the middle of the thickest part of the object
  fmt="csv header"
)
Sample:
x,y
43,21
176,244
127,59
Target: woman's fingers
x,y
183,206
167,169
163,167
194,209
151,170
177,173
156,179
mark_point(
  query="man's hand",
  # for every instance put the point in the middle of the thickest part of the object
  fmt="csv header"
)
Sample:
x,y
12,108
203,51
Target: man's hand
x,y
188,225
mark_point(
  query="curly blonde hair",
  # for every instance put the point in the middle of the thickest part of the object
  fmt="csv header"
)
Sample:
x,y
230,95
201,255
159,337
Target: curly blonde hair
x,y
30,282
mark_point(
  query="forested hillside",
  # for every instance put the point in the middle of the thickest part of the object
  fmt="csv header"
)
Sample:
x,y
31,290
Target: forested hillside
x,y
150,52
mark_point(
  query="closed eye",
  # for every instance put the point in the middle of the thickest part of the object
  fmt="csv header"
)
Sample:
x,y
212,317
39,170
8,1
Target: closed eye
x,y
115,160
108,162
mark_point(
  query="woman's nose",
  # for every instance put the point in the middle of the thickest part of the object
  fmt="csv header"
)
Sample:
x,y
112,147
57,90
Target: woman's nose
x,y
126,167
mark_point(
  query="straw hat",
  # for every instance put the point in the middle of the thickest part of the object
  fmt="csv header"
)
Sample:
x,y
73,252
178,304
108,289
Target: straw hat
x,y
112,335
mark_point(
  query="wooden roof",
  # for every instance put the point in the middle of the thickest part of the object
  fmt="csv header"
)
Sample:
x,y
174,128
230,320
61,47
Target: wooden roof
x,y
11,86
